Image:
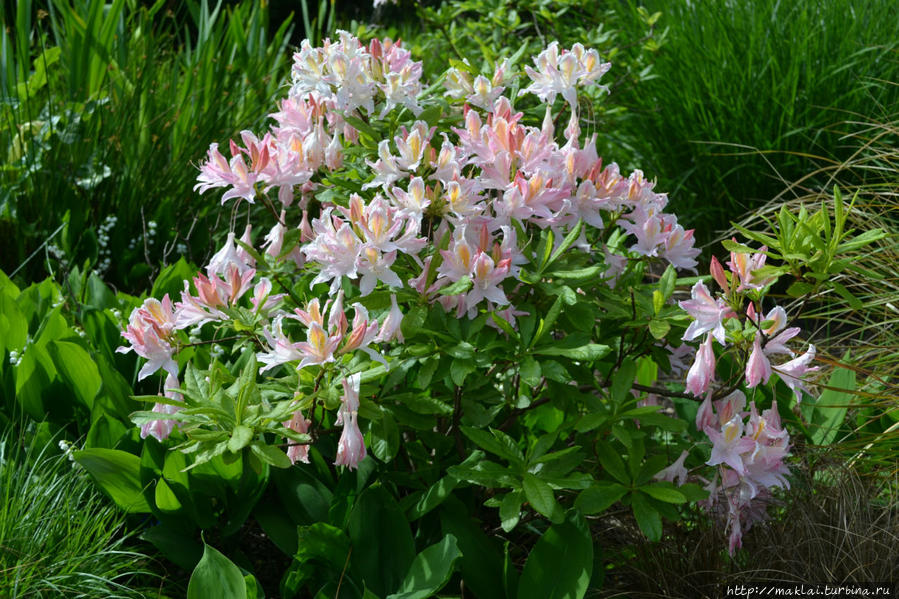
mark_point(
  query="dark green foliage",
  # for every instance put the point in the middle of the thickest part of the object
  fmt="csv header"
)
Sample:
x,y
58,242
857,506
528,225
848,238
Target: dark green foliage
x,y
746,92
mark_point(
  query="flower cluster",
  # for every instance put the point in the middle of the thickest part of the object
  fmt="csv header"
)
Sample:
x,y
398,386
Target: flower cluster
x,y
435,218
749,454
768,335
150,332
561,73
750,458
348,76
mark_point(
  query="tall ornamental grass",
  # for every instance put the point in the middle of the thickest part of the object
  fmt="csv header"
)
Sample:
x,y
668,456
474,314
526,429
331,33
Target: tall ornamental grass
x,y
101,108
856,320
745,92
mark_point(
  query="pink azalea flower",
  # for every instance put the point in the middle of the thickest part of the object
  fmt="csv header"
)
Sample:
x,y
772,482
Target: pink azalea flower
x,y
561,73
150,332
676,471
298,423
708,314
318,348
263,301
282,349
242,254
363,333
390,328
374,266
744,267
758,368
793,373
705,416
729,444
218,172
717,272
486,277
228,254
351,446
703,368
730,406
679,248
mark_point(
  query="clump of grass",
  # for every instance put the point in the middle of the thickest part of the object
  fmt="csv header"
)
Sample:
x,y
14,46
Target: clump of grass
x,y
839,528
58,536
745,90
105,109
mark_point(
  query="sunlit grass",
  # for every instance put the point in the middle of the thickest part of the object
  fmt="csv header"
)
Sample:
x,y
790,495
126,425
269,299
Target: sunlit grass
x,y
745,92
59,537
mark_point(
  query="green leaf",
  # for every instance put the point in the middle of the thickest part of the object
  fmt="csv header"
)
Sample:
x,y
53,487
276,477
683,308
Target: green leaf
x,y
540,495
459,370
589,422
118,474
658,301
569,240
659,328
665,493
176,543
496,442
588,352
739,248
171,279
826,414
435,495
547,323
481,564
362,126
599,497
668,282
460,286
385,438
799,288
413,321
648,519
504,325
165,498
382,542
216,576
324,542
485,473
271,455
580,274
240,438
530,371
844,293
612,463
510,510
623,380
561,563
430,570
13,324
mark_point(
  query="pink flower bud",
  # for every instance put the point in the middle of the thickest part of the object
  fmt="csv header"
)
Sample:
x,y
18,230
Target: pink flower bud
x,y
718,274
758,368
703,368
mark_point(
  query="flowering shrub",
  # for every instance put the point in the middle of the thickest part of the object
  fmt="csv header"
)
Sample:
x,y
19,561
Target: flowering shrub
x,y
510,295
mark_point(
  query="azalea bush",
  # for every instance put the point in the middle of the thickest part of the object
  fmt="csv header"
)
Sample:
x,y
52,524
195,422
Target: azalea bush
x,y
442,333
